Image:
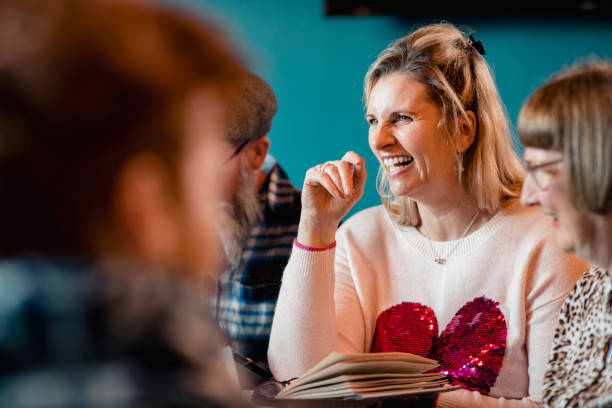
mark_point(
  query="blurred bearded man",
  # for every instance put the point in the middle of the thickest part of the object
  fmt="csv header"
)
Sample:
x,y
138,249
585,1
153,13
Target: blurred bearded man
x,y
111,132
257,222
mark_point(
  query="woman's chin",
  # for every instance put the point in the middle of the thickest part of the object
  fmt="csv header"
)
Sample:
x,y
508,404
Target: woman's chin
x,y
400,193
400,189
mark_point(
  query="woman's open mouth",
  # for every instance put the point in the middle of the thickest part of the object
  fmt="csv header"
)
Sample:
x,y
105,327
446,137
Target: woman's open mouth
x,y
397,163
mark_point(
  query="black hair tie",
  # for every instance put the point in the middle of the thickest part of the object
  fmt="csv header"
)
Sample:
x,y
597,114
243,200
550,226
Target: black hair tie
x,y
477,45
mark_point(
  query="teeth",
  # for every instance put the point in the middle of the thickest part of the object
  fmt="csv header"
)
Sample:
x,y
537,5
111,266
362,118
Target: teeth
x,y
392,163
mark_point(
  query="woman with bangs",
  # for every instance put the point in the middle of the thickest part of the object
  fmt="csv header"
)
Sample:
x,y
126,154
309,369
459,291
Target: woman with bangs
x,y
566,126
450,266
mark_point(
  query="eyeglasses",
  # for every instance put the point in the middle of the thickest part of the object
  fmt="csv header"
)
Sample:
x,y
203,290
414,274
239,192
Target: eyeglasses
x,y
541,179
237,151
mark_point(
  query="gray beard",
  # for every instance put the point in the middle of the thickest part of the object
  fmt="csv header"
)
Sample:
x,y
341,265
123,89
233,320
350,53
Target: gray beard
x,y
237,217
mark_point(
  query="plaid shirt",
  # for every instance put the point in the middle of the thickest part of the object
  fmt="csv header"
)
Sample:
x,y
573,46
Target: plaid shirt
x,y
248,294
72,336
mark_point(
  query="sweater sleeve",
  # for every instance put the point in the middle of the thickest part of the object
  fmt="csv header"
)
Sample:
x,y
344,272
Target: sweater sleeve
x,y
349,313
317,312
304,329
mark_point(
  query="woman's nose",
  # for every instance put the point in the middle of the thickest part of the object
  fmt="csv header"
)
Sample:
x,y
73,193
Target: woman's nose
x,y
529,193
380,137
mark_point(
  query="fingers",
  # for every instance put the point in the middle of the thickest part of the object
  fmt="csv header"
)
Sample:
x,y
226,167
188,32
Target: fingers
x,y
353,158
331,170
359,171
330,179
342,173
341,178
317,175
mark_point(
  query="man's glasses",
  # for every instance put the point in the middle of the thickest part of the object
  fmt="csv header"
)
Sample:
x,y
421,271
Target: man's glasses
x,y
238,150
541,178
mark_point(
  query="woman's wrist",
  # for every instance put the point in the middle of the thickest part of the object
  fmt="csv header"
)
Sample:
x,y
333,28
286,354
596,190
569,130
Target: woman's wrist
x,y
316,236
311,248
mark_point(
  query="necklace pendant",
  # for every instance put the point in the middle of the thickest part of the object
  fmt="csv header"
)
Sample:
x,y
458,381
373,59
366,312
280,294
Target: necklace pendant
x,y
439,260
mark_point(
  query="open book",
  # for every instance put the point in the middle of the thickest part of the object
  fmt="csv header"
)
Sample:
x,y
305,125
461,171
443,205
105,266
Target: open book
x,y
367,375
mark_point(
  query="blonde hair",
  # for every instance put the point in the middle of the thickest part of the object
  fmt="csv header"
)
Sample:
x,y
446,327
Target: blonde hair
x,y
572,113
459,80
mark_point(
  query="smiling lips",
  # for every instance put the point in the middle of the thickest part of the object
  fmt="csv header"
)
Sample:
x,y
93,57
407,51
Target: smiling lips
x,y
394,164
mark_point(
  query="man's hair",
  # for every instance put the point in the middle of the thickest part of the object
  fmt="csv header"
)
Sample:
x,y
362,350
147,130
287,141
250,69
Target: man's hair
x,y
572,113
84,86
251,105
458,79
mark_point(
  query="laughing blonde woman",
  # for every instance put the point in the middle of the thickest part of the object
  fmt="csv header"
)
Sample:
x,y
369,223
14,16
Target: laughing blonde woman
x,y
450,266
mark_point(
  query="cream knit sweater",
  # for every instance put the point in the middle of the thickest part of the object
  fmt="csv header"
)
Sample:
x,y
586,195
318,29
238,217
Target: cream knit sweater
x,y
330,300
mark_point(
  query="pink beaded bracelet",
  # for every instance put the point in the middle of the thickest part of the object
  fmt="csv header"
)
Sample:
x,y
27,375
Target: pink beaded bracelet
x,y
309,248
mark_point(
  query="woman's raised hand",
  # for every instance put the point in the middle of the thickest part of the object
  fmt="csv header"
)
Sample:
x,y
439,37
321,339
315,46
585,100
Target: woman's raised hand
x,y
330,190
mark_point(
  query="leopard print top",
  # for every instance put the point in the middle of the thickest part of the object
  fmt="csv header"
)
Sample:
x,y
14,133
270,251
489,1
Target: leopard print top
x,y
578,374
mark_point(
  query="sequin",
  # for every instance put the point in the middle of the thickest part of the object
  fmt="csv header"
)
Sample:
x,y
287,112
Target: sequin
x,y
470,349
408,327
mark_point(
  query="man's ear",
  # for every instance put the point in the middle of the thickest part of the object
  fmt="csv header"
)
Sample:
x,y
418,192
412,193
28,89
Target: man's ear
x,y
143,208
257,152
467,132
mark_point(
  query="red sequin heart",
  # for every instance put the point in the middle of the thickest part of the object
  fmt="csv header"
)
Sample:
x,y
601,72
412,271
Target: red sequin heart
x,y
470,349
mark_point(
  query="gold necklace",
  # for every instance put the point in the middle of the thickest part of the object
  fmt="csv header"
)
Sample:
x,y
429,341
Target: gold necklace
x,y
441,260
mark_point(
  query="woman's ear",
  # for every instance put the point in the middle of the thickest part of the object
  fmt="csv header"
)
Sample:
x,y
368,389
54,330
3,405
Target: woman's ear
x,y
145,207
257,152
467,131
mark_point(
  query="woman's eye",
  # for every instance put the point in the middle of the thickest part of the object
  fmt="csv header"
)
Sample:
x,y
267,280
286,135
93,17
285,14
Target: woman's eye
x,y
403,118
372,121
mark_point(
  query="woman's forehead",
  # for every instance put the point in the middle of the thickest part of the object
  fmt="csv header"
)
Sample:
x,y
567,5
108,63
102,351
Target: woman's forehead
x,y
398,91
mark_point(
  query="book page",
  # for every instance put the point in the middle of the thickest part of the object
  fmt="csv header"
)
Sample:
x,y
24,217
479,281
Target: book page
x,y
382,366
341,368
336,357
376,378
344,390
401,393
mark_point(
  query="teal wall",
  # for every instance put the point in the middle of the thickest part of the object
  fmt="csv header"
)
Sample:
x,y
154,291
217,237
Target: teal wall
x,y
316,66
